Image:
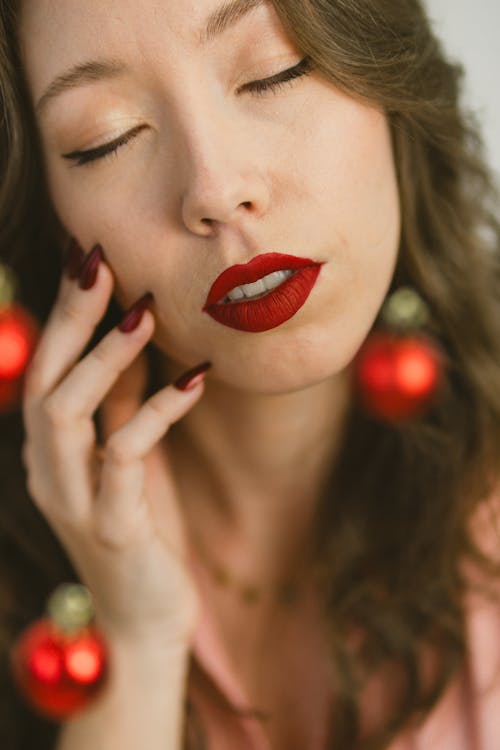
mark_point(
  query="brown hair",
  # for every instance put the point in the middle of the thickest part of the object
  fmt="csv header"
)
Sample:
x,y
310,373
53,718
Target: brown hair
x,y
392,537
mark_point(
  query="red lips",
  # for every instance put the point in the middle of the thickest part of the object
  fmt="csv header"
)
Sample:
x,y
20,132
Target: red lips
x,y
272,308
247,273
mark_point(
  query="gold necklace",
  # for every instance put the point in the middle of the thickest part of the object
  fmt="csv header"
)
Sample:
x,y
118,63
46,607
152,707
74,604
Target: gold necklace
x,y
286,593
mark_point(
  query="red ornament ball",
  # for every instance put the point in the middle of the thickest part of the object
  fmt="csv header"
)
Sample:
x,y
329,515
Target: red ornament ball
x,y
18,335
397,377
59,673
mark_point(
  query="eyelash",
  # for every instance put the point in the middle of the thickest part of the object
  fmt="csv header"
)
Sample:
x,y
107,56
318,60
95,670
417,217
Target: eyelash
x,y
256,88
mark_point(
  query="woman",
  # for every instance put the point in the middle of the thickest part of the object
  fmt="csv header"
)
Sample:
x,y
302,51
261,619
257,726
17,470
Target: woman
x,y
271,566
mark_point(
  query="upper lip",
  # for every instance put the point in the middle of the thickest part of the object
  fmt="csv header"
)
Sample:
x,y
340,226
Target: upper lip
x,y
255,269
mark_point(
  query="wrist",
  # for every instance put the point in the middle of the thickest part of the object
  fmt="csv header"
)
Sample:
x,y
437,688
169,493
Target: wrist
x,y
145,668
148,651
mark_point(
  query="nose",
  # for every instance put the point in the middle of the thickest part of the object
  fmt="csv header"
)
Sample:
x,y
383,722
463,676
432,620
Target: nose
x,y
225,184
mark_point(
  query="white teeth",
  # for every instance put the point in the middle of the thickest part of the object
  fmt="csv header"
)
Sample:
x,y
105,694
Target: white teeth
x,y
275,279
252,290
236,293
271,281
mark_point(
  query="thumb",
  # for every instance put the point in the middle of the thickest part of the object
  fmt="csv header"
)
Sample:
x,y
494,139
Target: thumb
x,y
125,397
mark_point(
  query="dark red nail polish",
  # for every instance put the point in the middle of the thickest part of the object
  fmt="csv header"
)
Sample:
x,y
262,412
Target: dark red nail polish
x,y
90,267
133,316
192,377
73,259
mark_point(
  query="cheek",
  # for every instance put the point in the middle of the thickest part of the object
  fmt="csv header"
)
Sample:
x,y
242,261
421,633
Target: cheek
x,y
374,185
104,213
355,176
359,217
85,194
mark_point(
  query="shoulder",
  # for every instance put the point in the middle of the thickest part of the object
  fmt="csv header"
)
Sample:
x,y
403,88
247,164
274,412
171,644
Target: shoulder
x,y
482,600
467,716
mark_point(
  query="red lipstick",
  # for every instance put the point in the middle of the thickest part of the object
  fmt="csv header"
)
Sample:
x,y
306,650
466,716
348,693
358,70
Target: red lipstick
x,y
273,307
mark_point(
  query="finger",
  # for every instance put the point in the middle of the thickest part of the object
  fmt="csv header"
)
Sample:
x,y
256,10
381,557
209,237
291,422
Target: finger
x,y
78,396
70,325
120,505
71,434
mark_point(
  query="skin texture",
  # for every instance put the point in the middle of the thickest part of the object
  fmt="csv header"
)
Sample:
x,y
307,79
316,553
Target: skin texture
x,y
305,170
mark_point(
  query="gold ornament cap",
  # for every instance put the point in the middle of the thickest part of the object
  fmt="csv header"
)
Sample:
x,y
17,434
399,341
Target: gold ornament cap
x,y
70,607
405,310
8,285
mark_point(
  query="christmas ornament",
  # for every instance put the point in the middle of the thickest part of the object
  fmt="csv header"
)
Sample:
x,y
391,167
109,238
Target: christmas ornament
x,y
59,663
398,370
19,333
17,336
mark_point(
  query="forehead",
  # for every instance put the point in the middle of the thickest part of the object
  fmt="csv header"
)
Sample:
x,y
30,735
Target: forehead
x,y
193,23
57,34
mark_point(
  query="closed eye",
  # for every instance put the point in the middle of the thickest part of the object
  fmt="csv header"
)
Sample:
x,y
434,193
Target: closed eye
x,y
277,81
107,149
256,88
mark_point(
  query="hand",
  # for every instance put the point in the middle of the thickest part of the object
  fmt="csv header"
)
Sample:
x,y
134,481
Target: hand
x,y
118,516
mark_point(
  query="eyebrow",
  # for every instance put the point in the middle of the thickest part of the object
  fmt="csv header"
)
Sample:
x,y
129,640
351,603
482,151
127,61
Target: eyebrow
x,y
221,19
226,16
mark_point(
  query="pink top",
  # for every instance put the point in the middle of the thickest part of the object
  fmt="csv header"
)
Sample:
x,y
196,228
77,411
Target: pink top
x,y
466,718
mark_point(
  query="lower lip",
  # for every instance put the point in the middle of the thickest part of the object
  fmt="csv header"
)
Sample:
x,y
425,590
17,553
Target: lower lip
x,y
270,311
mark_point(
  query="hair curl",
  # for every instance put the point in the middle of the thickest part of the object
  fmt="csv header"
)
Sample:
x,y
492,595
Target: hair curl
x,y
392,537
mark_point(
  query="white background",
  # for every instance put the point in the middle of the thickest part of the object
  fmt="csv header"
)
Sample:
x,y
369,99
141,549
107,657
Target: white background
x,y
470,31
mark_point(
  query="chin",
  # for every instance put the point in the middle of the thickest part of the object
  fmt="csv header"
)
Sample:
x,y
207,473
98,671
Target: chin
x,y
286,371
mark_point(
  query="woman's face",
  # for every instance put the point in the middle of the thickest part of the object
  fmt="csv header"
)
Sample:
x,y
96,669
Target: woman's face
x,y
213,175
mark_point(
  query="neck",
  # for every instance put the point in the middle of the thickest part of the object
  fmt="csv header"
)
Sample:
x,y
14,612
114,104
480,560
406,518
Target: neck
x,y
250,468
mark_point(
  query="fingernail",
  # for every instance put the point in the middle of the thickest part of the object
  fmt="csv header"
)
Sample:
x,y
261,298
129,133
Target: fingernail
x,y
134,315
90,267
192,377
73,259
